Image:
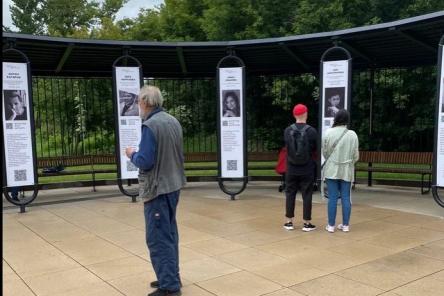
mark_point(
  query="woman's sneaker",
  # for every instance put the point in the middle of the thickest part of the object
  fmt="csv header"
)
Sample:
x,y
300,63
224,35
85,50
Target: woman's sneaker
x,y
345,228
330,228
308,227
289,226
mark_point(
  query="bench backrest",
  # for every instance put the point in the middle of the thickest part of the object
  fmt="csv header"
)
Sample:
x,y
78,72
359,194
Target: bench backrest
x,y
44,162
364,156
212,156
396,157
110,158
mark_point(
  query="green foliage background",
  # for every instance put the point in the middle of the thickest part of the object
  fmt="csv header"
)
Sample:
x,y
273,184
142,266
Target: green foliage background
x,y
76,116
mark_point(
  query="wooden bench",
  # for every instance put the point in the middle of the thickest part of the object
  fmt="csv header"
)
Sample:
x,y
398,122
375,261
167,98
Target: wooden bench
x,y
212,156
70,161
419,163
256,157
208,160
370,161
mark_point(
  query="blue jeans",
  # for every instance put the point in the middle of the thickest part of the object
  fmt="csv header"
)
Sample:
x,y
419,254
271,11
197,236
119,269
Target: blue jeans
x,y
15,192
162,239
334,188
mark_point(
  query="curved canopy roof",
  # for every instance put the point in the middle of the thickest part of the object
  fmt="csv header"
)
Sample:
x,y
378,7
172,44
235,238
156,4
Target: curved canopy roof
x,y
403,43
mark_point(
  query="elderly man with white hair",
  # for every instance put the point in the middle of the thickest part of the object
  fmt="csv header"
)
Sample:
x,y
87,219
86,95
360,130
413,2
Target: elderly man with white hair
x,y
161,176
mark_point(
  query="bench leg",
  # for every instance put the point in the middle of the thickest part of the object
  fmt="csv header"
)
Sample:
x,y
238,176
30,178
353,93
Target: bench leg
x,y
429,185
354,182
94,181
370,175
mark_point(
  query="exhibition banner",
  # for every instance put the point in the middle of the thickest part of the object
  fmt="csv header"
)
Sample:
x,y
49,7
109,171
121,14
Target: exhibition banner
x,y
231,122
129,122
334,90
17,137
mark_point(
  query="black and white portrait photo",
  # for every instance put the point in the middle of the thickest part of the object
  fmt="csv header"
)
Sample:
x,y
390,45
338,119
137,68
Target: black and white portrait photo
x,y
15,104
129,103
230,103
334,101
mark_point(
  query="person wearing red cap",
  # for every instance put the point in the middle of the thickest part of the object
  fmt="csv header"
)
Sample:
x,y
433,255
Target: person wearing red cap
x,y
301,142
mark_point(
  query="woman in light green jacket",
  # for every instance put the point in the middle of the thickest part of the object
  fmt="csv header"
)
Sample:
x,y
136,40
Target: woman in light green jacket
x,y
340,148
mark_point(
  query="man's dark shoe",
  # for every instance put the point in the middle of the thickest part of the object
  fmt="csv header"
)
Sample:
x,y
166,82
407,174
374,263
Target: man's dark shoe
x,y
155,284
161,292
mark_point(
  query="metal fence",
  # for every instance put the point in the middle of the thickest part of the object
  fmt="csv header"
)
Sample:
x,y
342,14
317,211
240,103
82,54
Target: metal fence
x,y
74,116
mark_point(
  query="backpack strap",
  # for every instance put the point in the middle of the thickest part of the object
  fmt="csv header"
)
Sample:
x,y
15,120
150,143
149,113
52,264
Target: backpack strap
x,y
295,127
334,147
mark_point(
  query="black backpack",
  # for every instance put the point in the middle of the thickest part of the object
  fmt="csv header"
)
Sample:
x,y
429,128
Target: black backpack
x,y
299,152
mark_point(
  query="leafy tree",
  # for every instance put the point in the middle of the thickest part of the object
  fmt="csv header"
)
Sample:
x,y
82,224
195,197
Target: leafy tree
x,y
63,18
276,17
6,28
403,99
146,26
329,15
28,16
230,20
73,18
180,20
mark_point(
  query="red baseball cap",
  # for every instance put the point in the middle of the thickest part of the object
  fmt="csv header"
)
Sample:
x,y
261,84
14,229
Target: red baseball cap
x,y
299,109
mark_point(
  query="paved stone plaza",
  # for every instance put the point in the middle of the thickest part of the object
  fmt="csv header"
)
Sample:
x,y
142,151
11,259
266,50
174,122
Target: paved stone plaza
x,y
96,246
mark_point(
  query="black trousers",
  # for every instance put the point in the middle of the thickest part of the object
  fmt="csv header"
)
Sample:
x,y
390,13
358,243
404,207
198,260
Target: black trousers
x,y
303,184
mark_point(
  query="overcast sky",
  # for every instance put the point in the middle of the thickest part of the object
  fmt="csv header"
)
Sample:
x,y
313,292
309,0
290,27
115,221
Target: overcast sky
x,y
131,9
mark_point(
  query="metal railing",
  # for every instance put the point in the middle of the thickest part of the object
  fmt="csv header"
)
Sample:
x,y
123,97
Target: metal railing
x,y
74,116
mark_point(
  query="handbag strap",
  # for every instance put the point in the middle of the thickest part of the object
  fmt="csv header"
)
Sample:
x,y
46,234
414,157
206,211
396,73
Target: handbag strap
x,y
334,147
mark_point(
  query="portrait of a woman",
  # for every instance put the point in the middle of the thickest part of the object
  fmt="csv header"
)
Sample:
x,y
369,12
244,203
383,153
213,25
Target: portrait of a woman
x,y
231,106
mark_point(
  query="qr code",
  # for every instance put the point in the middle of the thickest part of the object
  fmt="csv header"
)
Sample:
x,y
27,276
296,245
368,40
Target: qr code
x,y
232,165
20,175
123,122
9,125
130,166
224,123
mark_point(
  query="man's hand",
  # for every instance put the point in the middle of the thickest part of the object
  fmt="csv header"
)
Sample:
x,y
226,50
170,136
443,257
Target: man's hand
x,y
129,151
13,116
333,109
230,113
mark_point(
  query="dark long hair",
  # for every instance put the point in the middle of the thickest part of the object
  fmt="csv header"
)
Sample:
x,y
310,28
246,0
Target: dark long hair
x,y
234,95
341,118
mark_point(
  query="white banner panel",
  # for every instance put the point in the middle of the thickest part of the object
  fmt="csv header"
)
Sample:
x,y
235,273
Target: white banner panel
x,y
334,91
440,139
231,122
17,125
127,90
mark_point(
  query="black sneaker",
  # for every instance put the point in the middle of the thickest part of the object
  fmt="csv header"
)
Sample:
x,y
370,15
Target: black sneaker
x,y
308,227
161,292
289,226
155,284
